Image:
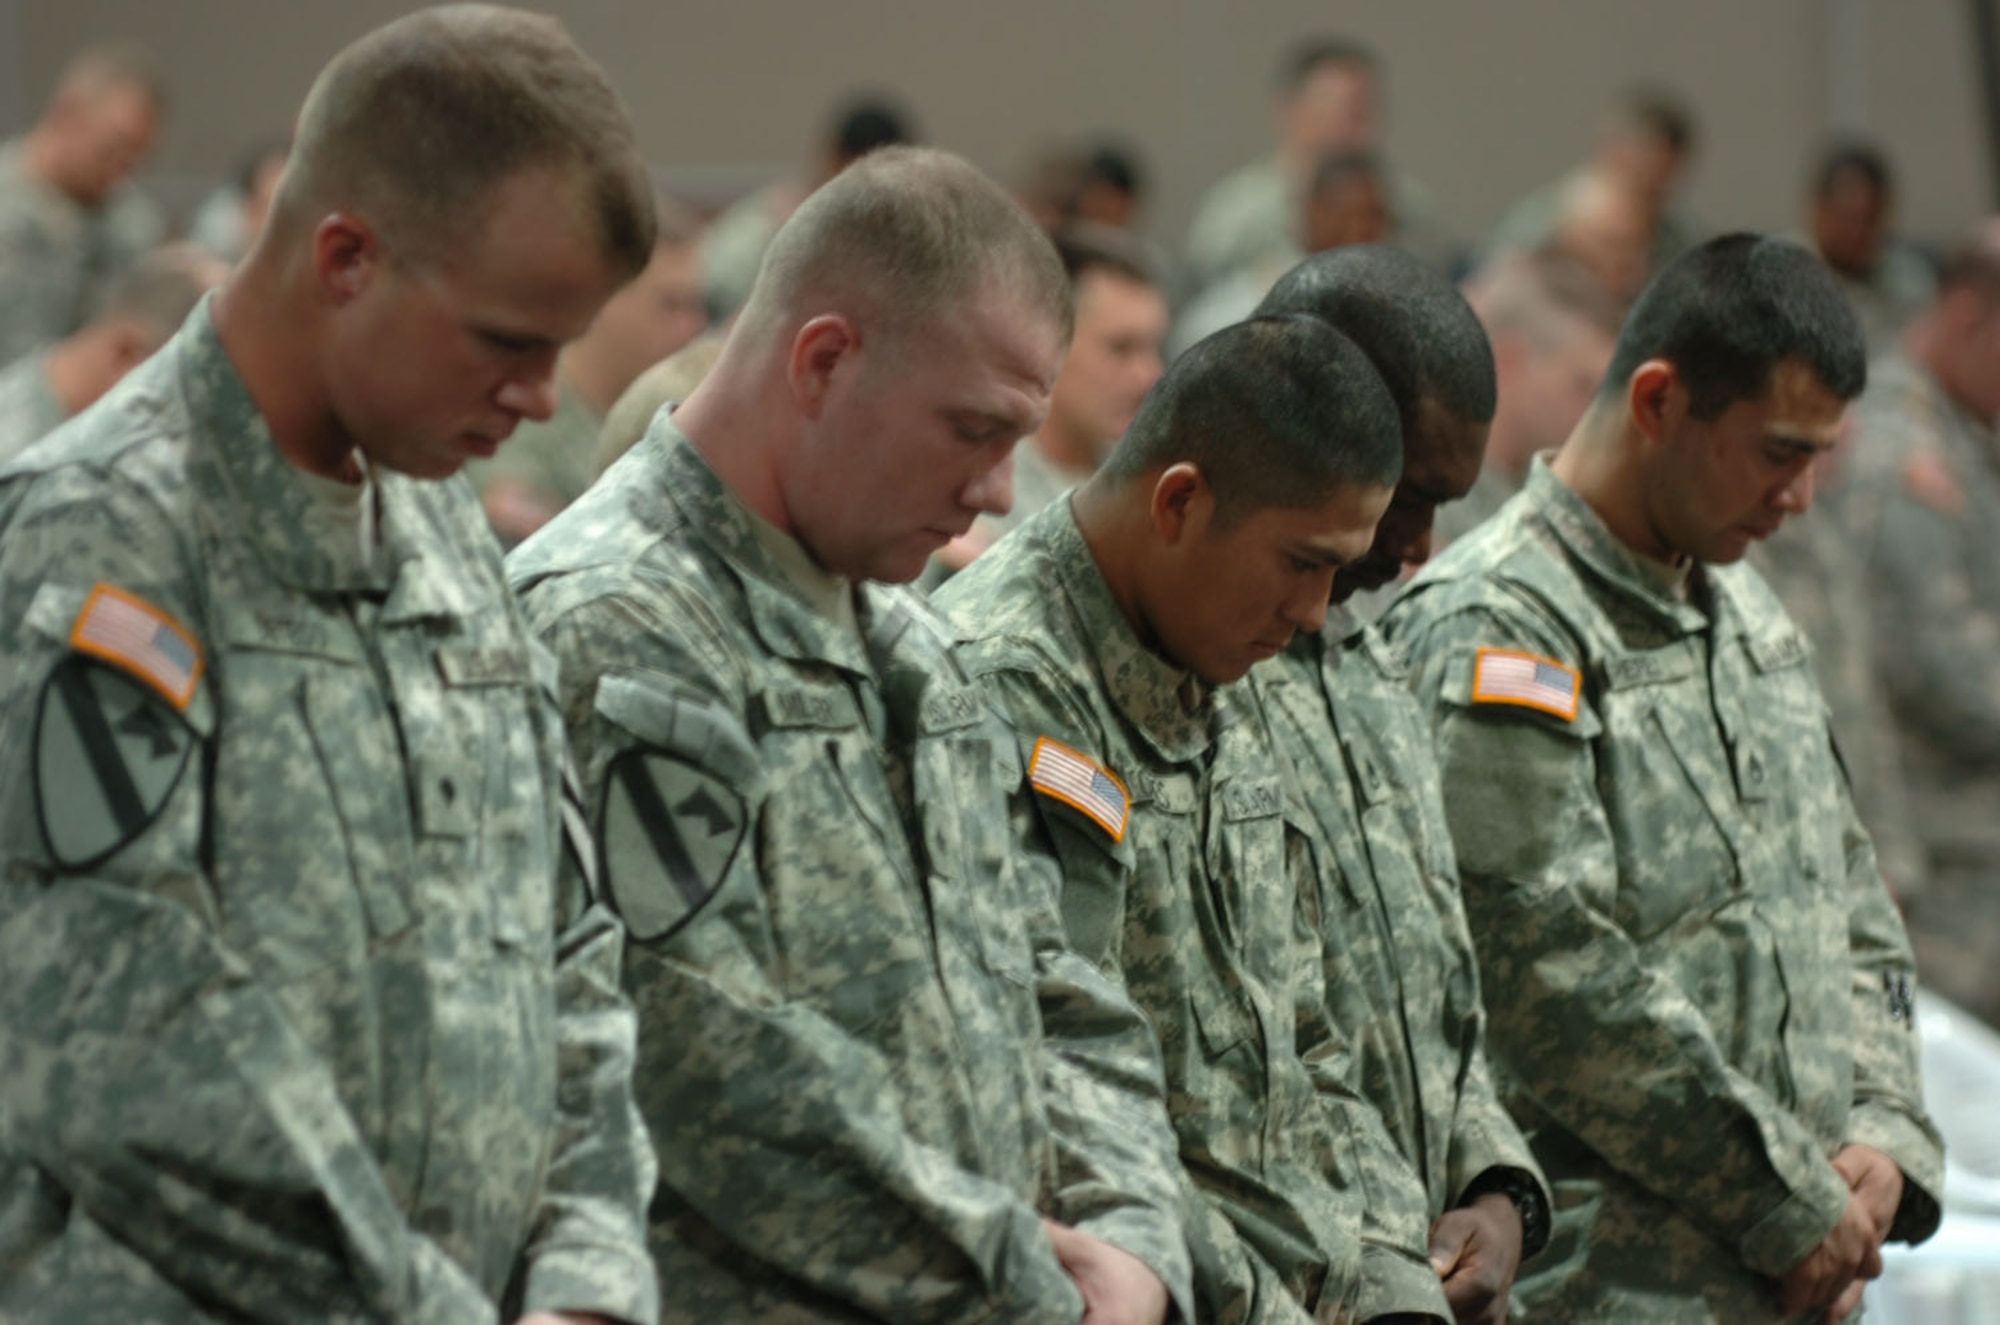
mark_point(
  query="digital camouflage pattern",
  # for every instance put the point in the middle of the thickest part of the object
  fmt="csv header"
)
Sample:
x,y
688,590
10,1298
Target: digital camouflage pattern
x,y
870,1063
1195,908
1698,986
1923,505
335,1036
1402,980
57,256
29,409
1813,566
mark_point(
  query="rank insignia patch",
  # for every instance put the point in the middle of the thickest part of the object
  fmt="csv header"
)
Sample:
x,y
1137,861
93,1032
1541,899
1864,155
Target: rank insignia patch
x,y
108,752
1083,784
671,831
1528,680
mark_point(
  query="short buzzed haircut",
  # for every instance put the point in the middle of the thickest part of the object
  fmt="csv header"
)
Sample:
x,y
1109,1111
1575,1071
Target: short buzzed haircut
x,y
1308,57
162,288
417,123
1423,338
867,124
1276,412
1654,112
1974,263
114,65
1851,156
1084,248
900,238
1728,312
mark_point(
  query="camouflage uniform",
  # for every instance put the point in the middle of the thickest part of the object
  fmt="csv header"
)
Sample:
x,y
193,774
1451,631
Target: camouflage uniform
x,y
1193,904
1402,980
1813,567
869,1061
57,256
1933,552
1699,987
556,456
291,1026
29,409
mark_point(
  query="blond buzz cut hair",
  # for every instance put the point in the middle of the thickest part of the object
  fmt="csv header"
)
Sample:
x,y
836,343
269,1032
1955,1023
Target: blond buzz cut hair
x,y
900,238
417,123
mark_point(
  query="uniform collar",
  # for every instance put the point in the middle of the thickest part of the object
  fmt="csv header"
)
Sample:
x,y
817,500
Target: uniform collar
x,y
785,622
1168,705
1584,536
269,500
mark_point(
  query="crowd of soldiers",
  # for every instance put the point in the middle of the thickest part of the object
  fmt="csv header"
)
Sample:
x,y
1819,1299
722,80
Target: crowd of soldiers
x,y
884,798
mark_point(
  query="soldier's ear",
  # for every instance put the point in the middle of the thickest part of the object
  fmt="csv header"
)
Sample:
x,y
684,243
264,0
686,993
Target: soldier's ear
x,y
1181,502
345,253
1655,400
820,350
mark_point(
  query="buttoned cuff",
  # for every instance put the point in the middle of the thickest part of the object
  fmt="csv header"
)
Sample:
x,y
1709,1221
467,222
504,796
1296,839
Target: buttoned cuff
x,y
1395,1284
1787,1235
592,1279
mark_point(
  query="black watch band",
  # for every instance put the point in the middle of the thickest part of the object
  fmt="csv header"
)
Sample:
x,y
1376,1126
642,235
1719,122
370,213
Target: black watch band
x,y
1519,1187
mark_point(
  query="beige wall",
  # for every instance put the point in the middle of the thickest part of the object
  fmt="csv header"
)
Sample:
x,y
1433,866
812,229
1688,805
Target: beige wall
x,y
1488,97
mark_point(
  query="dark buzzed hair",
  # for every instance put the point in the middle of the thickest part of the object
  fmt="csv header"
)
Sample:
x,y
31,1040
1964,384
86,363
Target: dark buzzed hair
x,y
1423,338
418,122
1851,156
1655,112
1308,57
1727,313
1275,412
866,123
1085,248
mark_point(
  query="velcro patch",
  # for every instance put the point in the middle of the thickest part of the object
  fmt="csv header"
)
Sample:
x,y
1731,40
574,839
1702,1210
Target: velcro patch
x,y
1527,680
671,831
1083,784
131,634
108,754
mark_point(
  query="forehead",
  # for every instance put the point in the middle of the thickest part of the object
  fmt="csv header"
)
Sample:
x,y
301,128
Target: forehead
x,y
1341,525
1102,292
991,340
1796,402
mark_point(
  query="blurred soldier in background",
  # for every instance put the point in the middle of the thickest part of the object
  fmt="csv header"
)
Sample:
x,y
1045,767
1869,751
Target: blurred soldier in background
x,y
68,221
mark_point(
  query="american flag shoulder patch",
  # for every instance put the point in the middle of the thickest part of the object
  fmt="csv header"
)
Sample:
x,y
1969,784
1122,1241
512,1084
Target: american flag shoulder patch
x,y
132,635
1528,680
1083,784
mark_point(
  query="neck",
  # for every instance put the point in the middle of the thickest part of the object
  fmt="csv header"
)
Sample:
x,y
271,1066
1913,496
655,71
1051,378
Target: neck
x,y
735,422
1113,525
275,355
1595,464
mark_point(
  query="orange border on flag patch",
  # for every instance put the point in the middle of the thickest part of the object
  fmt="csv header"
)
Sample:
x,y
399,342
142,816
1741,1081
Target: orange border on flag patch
x,y
125,662
1118,833
1575,683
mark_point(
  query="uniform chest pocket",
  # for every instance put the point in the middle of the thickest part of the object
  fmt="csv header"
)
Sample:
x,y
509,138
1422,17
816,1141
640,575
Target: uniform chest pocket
x,y
310,815
1669,794
1250,885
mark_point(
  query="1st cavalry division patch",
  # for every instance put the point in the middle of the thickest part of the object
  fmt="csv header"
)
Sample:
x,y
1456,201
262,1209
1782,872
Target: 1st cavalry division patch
x,y
671,830
108,752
